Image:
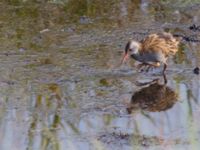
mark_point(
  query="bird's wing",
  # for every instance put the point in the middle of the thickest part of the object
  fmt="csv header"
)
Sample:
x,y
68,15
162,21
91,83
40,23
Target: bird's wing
x,y
164,42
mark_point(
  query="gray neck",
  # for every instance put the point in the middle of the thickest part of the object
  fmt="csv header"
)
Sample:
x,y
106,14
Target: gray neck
x,y
136,56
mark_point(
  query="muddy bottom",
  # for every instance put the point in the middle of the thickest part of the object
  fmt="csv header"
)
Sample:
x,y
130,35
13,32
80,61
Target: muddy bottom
x,y
62,85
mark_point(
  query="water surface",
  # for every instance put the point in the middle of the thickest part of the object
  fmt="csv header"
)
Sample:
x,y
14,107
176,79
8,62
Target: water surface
x,y
61,85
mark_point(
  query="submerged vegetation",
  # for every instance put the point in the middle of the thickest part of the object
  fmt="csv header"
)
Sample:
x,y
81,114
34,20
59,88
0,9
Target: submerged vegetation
x,y
61,85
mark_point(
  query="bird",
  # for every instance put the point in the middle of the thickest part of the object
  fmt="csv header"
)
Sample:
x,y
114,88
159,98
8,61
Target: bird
x,y
162,99
153,50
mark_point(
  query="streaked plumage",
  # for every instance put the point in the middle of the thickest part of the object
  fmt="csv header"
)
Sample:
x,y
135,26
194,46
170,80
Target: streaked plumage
x,y
163,42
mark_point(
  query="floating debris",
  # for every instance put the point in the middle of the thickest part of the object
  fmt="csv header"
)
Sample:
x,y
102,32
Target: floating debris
x,y
196,70
22,49
187,38
45,30
85,20
194,27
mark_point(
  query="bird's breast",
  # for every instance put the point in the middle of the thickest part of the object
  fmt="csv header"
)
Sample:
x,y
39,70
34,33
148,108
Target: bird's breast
x,y
150,57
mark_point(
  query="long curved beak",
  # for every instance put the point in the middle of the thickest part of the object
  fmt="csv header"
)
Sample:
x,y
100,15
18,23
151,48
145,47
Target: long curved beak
x,y
125,58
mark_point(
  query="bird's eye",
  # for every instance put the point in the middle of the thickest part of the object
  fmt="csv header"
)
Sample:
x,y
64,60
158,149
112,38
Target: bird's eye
x,y
130,50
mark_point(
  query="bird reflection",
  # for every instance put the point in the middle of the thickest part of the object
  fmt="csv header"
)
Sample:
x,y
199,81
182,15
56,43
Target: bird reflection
x,y
154,98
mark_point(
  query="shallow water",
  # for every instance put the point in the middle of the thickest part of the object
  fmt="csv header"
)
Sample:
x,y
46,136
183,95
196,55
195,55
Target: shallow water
x,y
62,87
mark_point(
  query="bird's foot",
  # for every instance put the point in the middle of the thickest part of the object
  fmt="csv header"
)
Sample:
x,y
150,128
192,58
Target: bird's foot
x,y
150,68
153,66
147,68
142,67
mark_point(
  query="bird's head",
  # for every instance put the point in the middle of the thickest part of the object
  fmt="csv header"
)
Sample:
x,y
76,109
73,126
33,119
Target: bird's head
x,y
132,47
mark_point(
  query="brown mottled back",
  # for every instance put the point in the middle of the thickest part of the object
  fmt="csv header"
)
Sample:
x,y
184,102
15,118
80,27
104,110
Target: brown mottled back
x,y
164,42
163,98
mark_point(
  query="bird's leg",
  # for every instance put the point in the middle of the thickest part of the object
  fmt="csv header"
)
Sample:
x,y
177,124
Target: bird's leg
x,y
149,66
164,69
157,64
141,65
164,76
165,79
